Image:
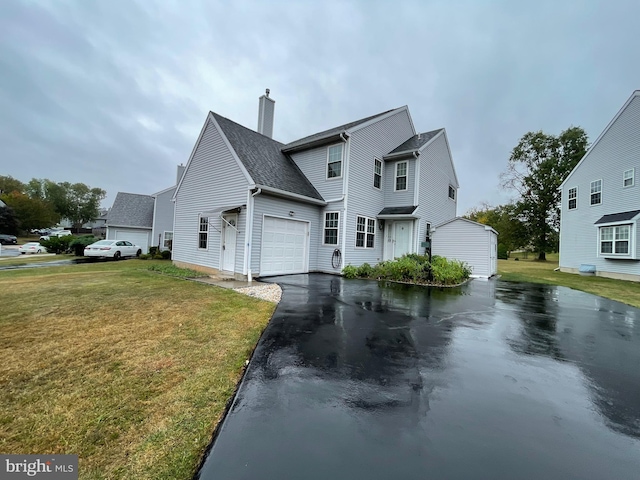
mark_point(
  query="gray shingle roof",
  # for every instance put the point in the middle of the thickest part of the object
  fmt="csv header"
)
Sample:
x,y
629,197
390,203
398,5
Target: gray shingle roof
x,y
131,210
264,160
414,143
408,210
331,131
617,217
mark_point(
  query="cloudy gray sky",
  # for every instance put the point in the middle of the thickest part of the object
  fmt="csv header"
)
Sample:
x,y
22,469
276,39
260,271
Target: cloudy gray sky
x,y
113,93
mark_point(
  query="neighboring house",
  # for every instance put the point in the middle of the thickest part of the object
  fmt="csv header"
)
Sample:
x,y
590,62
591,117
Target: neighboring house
x,y
131,218
600,212
361,192
99,225
470,242
163,211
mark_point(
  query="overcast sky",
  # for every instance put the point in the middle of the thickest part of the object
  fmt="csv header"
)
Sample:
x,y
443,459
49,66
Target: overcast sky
x,y
114,93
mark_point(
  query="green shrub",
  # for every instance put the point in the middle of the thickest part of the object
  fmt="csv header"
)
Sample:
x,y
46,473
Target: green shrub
x,y
503,253
144,256
57,245
153,251
166,254
78,244
449,272
365,270
350,271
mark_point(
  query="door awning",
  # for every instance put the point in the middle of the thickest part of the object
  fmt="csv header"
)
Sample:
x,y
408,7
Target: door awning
x,y
391,213
219,210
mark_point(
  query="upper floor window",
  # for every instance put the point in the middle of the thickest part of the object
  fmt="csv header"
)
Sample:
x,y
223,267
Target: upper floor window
x,y
203,232
628,178
596,192
331,223
401,176
334,161
452,193
573,198
365,232
615,240
377,173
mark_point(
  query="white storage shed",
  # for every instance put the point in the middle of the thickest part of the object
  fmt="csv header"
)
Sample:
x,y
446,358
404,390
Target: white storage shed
x,y
470,242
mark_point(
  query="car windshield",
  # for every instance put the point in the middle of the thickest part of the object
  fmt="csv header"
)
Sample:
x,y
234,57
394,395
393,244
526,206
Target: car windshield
x,y
104,242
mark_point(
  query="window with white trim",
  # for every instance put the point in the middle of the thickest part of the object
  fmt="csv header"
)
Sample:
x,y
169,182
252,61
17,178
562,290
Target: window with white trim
x,y
615,240
573,198
331,224
401,176
365,232
628,178
377,172
167,240
334,161
452,193
203,232
596,192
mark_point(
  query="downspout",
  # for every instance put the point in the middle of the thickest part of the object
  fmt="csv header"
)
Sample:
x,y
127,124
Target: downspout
x,y
416,202
345,191
249,230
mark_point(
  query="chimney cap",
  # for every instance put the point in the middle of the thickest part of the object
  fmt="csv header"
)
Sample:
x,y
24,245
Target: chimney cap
x,y
267,92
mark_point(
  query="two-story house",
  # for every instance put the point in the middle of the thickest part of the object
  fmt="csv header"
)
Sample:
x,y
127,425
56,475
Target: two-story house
x,y
361,192
600,211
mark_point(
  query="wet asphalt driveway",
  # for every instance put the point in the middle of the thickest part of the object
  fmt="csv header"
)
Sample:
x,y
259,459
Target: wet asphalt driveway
x,y
493,380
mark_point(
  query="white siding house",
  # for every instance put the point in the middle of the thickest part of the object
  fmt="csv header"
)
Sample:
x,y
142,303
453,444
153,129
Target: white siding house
x,y
600,212
364,191
131,218
470,242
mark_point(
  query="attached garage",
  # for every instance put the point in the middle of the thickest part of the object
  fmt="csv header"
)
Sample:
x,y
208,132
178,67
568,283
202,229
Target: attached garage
x,y
470,242
137,237
285,246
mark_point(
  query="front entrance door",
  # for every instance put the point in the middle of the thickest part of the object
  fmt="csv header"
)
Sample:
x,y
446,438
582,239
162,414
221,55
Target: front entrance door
x,y
403,238
229,225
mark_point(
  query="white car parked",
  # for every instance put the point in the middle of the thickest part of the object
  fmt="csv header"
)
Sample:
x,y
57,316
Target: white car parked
x,y
115,249
31,247
56,233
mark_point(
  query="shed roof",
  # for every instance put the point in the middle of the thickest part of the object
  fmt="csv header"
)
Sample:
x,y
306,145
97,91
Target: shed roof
x,y
131,210
617,217
263,158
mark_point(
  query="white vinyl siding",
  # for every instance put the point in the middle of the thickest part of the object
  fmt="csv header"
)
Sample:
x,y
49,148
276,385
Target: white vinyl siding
x,y
401,180
573,198
162,216
614,153
596,192
628,179
331,228
313,164
212,179
334,161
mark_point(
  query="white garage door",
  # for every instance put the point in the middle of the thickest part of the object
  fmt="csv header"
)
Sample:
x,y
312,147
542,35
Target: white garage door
x,y
285,246
137,238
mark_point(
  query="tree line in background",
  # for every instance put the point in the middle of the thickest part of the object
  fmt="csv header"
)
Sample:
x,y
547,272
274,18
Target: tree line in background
x,y
42,203
536,168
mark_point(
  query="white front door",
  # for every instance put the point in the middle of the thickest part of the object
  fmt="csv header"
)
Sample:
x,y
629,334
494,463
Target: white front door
x,y
402,238
229,226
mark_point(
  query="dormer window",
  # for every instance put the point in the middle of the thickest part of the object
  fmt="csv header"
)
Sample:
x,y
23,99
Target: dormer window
x,y
334,161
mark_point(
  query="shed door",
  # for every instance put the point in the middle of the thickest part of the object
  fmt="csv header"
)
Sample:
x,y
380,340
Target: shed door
x,y
137,238
285,246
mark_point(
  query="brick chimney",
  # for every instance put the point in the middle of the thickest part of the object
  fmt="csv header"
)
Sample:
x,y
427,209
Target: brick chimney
x,y
265,115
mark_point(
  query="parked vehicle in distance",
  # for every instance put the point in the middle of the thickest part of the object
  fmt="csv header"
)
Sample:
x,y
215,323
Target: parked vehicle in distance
x,y
56,233
115,249
31,247
8,239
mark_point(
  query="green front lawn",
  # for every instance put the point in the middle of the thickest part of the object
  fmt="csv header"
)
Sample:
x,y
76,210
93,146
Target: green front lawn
x,y
530,270
129,369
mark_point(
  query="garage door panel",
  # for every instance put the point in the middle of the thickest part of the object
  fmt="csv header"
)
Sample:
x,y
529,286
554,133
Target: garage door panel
x,y
137,238
284,246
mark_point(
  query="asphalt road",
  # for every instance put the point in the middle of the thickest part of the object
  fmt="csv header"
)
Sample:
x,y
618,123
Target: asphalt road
x,y
493,380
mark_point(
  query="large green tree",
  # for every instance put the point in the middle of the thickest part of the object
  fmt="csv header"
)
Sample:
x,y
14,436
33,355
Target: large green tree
x,y
9,184
8,221
75,201
537,166
30,212
512,232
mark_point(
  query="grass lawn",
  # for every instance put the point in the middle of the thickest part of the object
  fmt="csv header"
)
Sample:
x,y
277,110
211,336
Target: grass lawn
x,y
543,272
28,258
125,367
